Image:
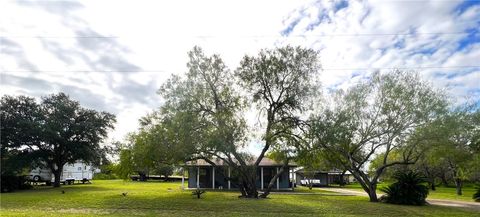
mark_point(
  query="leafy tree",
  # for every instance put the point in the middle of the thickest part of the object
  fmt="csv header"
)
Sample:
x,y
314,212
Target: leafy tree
x,y
376,117
70,132
453,143
125,167
165,170
56,131
18,126
202,115
20,117
282,83
153,149
205,107
409,189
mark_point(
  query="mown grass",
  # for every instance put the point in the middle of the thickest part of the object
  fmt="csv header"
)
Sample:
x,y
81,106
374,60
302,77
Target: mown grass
x,y
104,197
441,192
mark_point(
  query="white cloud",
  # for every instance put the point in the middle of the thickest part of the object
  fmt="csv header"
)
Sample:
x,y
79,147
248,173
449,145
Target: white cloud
x,y
154,36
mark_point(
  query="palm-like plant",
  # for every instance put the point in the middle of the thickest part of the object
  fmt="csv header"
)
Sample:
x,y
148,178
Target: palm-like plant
x,y
476,196
409,189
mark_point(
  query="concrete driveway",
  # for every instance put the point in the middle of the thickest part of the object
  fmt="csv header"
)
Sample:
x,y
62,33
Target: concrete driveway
x,y
439,202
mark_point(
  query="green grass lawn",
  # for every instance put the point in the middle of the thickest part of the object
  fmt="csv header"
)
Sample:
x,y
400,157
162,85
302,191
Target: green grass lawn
x,y
167,199
446,193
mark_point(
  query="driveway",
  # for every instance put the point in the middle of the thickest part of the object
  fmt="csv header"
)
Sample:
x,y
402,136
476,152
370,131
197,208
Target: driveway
x,y
439,202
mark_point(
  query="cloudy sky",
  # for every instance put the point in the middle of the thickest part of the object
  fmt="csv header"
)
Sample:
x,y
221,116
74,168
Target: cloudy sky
x,y
113,55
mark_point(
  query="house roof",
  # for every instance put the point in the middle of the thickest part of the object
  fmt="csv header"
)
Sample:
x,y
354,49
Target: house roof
x,y
264,162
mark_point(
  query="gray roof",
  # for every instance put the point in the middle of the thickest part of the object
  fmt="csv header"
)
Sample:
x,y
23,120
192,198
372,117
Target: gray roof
x,y
264,162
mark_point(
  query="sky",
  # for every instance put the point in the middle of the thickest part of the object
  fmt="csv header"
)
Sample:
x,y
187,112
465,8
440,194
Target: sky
x,y
113,55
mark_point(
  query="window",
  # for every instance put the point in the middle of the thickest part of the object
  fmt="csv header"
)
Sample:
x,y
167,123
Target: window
x,y
79,168
203,171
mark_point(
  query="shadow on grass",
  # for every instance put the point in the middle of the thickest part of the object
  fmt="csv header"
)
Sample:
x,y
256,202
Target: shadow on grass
x,y
76,187
218,202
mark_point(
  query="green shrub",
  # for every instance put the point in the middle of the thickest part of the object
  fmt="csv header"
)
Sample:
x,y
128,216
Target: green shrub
x,y
12,183
409,189
103,176
476,195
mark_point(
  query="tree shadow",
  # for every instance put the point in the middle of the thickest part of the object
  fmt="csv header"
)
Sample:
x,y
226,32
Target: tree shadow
x,y
217,202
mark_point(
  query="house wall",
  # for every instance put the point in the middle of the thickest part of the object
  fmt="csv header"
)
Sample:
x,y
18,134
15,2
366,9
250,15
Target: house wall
x,y
206,178
192,177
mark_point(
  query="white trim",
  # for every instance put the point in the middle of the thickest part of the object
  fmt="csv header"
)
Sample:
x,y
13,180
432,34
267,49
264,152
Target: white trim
x,y
198,177
229,176
261,177
293,180
183,178
278,181
213,177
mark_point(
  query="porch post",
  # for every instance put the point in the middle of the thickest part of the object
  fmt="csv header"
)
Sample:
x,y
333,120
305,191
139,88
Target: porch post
x,y
229,177
261,177
213,177
198,177
278,181
292,180
183,178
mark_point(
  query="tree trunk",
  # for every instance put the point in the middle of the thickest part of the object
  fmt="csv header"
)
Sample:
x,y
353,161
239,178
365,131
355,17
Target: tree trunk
x,y
372,194
342,180
272,182
248,187
57,173
444,180
458,186
142,176
368,186
250,190
432,184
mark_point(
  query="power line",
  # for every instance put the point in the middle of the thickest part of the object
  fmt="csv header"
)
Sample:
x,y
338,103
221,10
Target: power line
x,y
325,69
401,68
249,36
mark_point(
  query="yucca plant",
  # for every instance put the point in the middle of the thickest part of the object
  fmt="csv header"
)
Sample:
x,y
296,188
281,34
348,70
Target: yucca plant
x,y
409,189
476,196
198,193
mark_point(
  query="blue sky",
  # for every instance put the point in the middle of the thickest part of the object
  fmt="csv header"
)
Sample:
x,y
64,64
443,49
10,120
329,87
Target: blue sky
x,y
113,55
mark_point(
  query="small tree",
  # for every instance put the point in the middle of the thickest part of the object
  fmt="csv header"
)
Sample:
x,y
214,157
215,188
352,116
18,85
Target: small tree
x,y
476,195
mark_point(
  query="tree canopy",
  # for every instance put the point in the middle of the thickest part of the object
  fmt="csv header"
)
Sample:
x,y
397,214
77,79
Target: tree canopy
x,y
56,131
376,117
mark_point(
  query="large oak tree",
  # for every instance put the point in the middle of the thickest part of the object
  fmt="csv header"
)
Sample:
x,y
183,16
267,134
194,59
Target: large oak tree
x,y
56,131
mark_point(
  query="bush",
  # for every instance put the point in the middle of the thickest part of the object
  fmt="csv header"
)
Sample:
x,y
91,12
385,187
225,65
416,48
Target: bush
x,y
476,196
12,183
103,176
409,189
